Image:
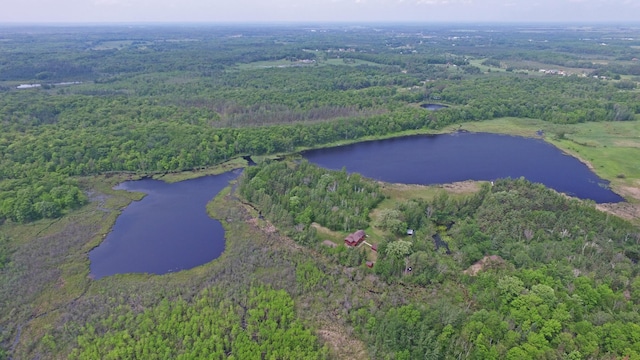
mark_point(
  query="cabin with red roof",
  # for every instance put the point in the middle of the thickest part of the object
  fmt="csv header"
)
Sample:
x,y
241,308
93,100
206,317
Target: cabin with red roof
x,y
355,238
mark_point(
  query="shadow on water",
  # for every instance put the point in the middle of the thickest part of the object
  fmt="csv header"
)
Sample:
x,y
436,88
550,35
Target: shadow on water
x,y
249,160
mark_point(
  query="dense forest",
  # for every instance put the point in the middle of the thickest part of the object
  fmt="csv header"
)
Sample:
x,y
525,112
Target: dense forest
x,y
212,328
304,194
513,270
551,276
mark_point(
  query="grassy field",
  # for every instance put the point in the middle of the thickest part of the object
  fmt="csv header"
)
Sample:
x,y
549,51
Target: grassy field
x,y
484,68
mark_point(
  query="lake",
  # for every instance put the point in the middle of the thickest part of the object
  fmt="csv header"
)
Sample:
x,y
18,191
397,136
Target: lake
x,y
168,230
441,159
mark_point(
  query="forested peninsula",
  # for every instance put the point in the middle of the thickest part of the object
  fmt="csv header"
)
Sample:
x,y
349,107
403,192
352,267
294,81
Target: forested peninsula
x,y
504,269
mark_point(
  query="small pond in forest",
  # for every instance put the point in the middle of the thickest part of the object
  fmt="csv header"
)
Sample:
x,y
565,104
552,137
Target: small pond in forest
x,y
441,159
433,107
168,230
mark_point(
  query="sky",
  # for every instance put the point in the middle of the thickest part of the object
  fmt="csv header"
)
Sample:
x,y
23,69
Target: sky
x,y
243,11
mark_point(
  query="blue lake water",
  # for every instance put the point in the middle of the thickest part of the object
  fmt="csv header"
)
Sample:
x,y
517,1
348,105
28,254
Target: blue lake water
x,y
440,159
168,230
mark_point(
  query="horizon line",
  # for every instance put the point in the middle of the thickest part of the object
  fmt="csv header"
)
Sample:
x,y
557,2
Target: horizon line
x,y
320,22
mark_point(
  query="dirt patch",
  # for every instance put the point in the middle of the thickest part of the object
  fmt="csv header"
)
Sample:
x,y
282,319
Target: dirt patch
x,y
629,191
342,344
400,186
462,187
267,227
329,243
484,263
624,210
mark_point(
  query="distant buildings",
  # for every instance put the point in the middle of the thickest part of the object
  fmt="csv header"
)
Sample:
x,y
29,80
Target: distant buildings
x,y
553,72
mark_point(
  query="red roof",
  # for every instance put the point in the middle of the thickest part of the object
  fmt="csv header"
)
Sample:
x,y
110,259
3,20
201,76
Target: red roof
x,y
355,238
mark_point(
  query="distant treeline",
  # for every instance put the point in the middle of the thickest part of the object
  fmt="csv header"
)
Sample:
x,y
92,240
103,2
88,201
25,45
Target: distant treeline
x,y
170,100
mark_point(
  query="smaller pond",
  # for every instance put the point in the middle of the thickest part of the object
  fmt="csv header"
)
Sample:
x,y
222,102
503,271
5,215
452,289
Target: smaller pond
x,y
168,230
433,107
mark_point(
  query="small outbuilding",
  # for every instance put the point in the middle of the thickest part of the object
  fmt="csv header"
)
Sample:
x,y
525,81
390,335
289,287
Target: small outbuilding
x,y
374,247
355,238
370,264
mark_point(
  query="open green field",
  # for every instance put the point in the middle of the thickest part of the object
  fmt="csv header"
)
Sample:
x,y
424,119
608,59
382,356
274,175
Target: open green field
x,y
484,68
